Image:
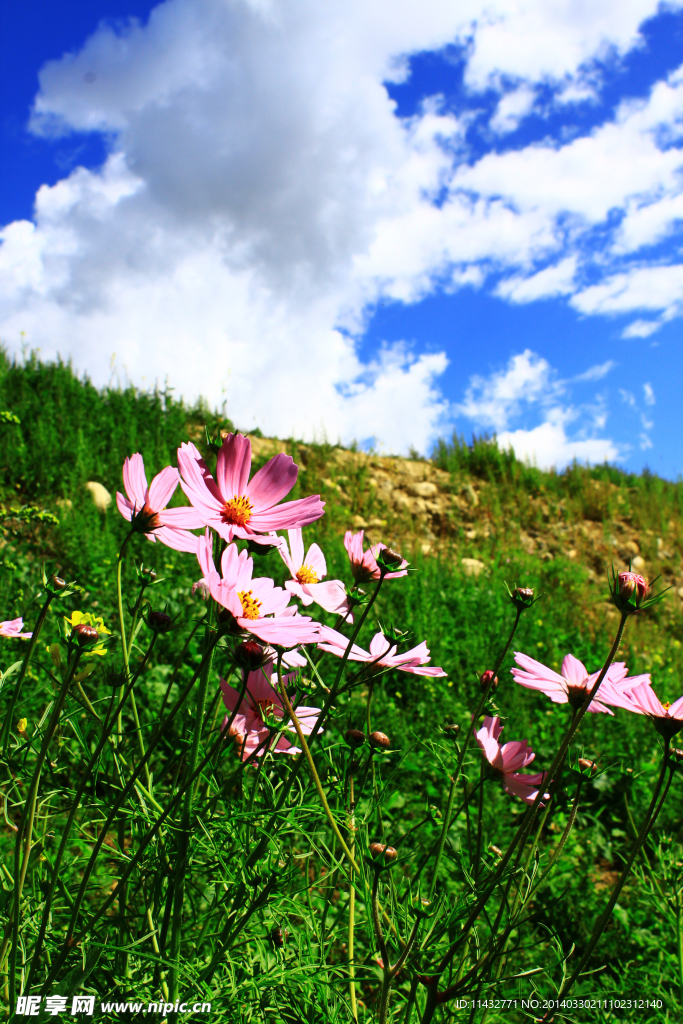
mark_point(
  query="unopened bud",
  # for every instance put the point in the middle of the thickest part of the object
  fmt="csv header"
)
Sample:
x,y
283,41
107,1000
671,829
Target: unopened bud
x,y
57,583
382,850
249,655
522,597
277,937
379,741
389,559
496,849
677,753
21,726
150,574
160,622
354,738
488,680
451,730
85,634
632,588
587,766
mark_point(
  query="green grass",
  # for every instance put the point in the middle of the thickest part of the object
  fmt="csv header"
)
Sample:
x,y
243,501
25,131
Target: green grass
x,y
70,433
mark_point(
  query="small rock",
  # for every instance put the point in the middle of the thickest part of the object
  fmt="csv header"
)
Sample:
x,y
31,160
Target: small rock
x,y
471,495
359,523
638,563
472,566
632,547
100,495
377,522
425,547
423,490
471,534
572,553
680,592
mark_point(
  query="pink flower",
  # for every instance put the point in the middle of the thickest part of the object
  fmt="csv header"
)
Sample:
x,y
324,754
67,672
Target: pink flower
x,y
147,506
571,686
364,563
631,585
642,700
260,703
257,605
12,629
508,759
238,507
382,653
307,573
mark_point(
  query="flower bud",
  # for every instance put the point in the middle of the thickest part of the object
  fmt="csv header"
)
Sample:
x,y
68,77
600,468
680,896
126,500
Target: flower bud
x,y
677,754
389,560
587,766
379,741
150,574
160,622
522,597
249,655
277,937
382,850
496,849
21,726
632,588
57,583
84,634
488,680
354,738
451,731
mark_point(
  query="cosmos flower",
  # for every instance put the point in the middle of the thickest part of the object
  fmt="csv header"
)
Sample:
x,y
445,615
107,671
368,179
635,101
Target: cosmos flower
x,y
642,700
364,563
382,653
307,573
12,629
571,685
236,506
146,506
507,759
260,705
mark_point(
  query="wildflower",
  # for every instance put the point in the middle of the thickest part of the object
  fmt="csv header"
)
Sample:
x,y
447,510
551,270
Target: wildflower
x,y
12,629
77,622
642,700
236,506
364,563
508,759
256,605
572,685
307,573
382,653
260,711
146,508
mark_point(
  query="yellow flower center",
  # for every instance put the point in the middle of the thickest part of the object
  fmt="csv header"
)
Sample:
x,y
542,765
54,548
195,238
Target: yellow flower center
x,y
264,708
251,605
666,705
237,511
307,575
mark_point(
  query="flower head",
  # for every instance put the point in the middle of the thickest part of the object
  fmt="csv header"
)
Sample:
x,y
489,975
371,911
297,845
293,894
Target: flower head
x,y
507,759
12,629
146,508
236,506
260,711
256,605
364,563
78,624
382,653
307,574
572,685
642,700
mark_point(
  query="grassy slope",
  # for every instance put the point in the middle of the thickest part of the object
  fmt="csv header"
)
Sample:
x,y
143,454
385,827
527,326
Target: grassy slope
x,y
551,531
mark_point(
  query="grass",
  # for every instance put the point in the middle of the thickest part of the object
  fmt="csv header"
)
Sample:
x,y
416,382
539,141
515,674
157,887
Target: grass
x,y
70,433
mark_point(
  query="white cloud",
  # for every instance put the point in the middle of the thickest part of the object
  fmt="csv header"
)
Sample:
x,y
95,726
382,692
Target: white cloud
x,y
493,401
649,394
261,192
596,372
512,108
553,280
653,288
548,445
641,329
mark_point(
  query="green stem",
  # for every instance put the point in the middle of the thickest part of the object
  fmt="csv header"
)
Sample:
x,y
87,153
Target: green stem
x,y
602,921
352,904
7,728
442,837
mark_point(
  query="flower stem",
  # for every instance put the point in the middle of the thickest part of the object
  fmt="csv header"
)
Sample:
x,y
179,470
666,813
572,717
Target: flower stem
x,y
602,921
352,903
7,728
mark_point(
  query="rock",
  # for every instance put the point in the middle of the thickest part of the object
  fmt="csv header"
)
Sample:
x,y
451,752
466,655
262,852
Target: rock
x,y
471,534
377,522
100,495
423,490
425,547
638,563
472,566
632,547
359,523
572,553
471,495
680,592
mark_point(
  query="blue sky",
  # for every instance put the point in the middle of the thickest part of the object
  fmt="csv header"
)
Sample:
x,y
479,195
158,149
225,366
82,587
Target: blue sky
x,y
367,220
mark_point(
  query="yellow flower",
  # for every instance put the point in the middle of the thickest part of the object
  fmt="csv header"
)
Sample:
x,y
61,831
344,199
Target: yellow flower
x,y
87,619
21,725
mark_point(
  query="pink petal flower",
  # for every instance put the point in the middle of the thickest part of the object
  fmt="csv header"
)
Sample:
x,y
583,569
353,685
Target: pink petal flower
x,y
262,700
12,629
238,507
257,605
571,686
147,506
642,700
307,572
382,653
507,759
364,563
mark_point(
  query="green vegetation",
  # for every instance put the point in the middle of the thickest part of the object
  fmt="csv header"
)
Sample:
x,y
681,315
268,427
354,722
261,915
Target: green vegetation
x,y
59,433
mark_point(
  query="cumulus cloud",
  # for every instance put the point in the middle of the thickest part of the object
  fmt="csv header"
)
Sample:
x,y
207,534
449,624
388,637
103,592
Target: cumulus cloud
x,y
260,194
529,387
